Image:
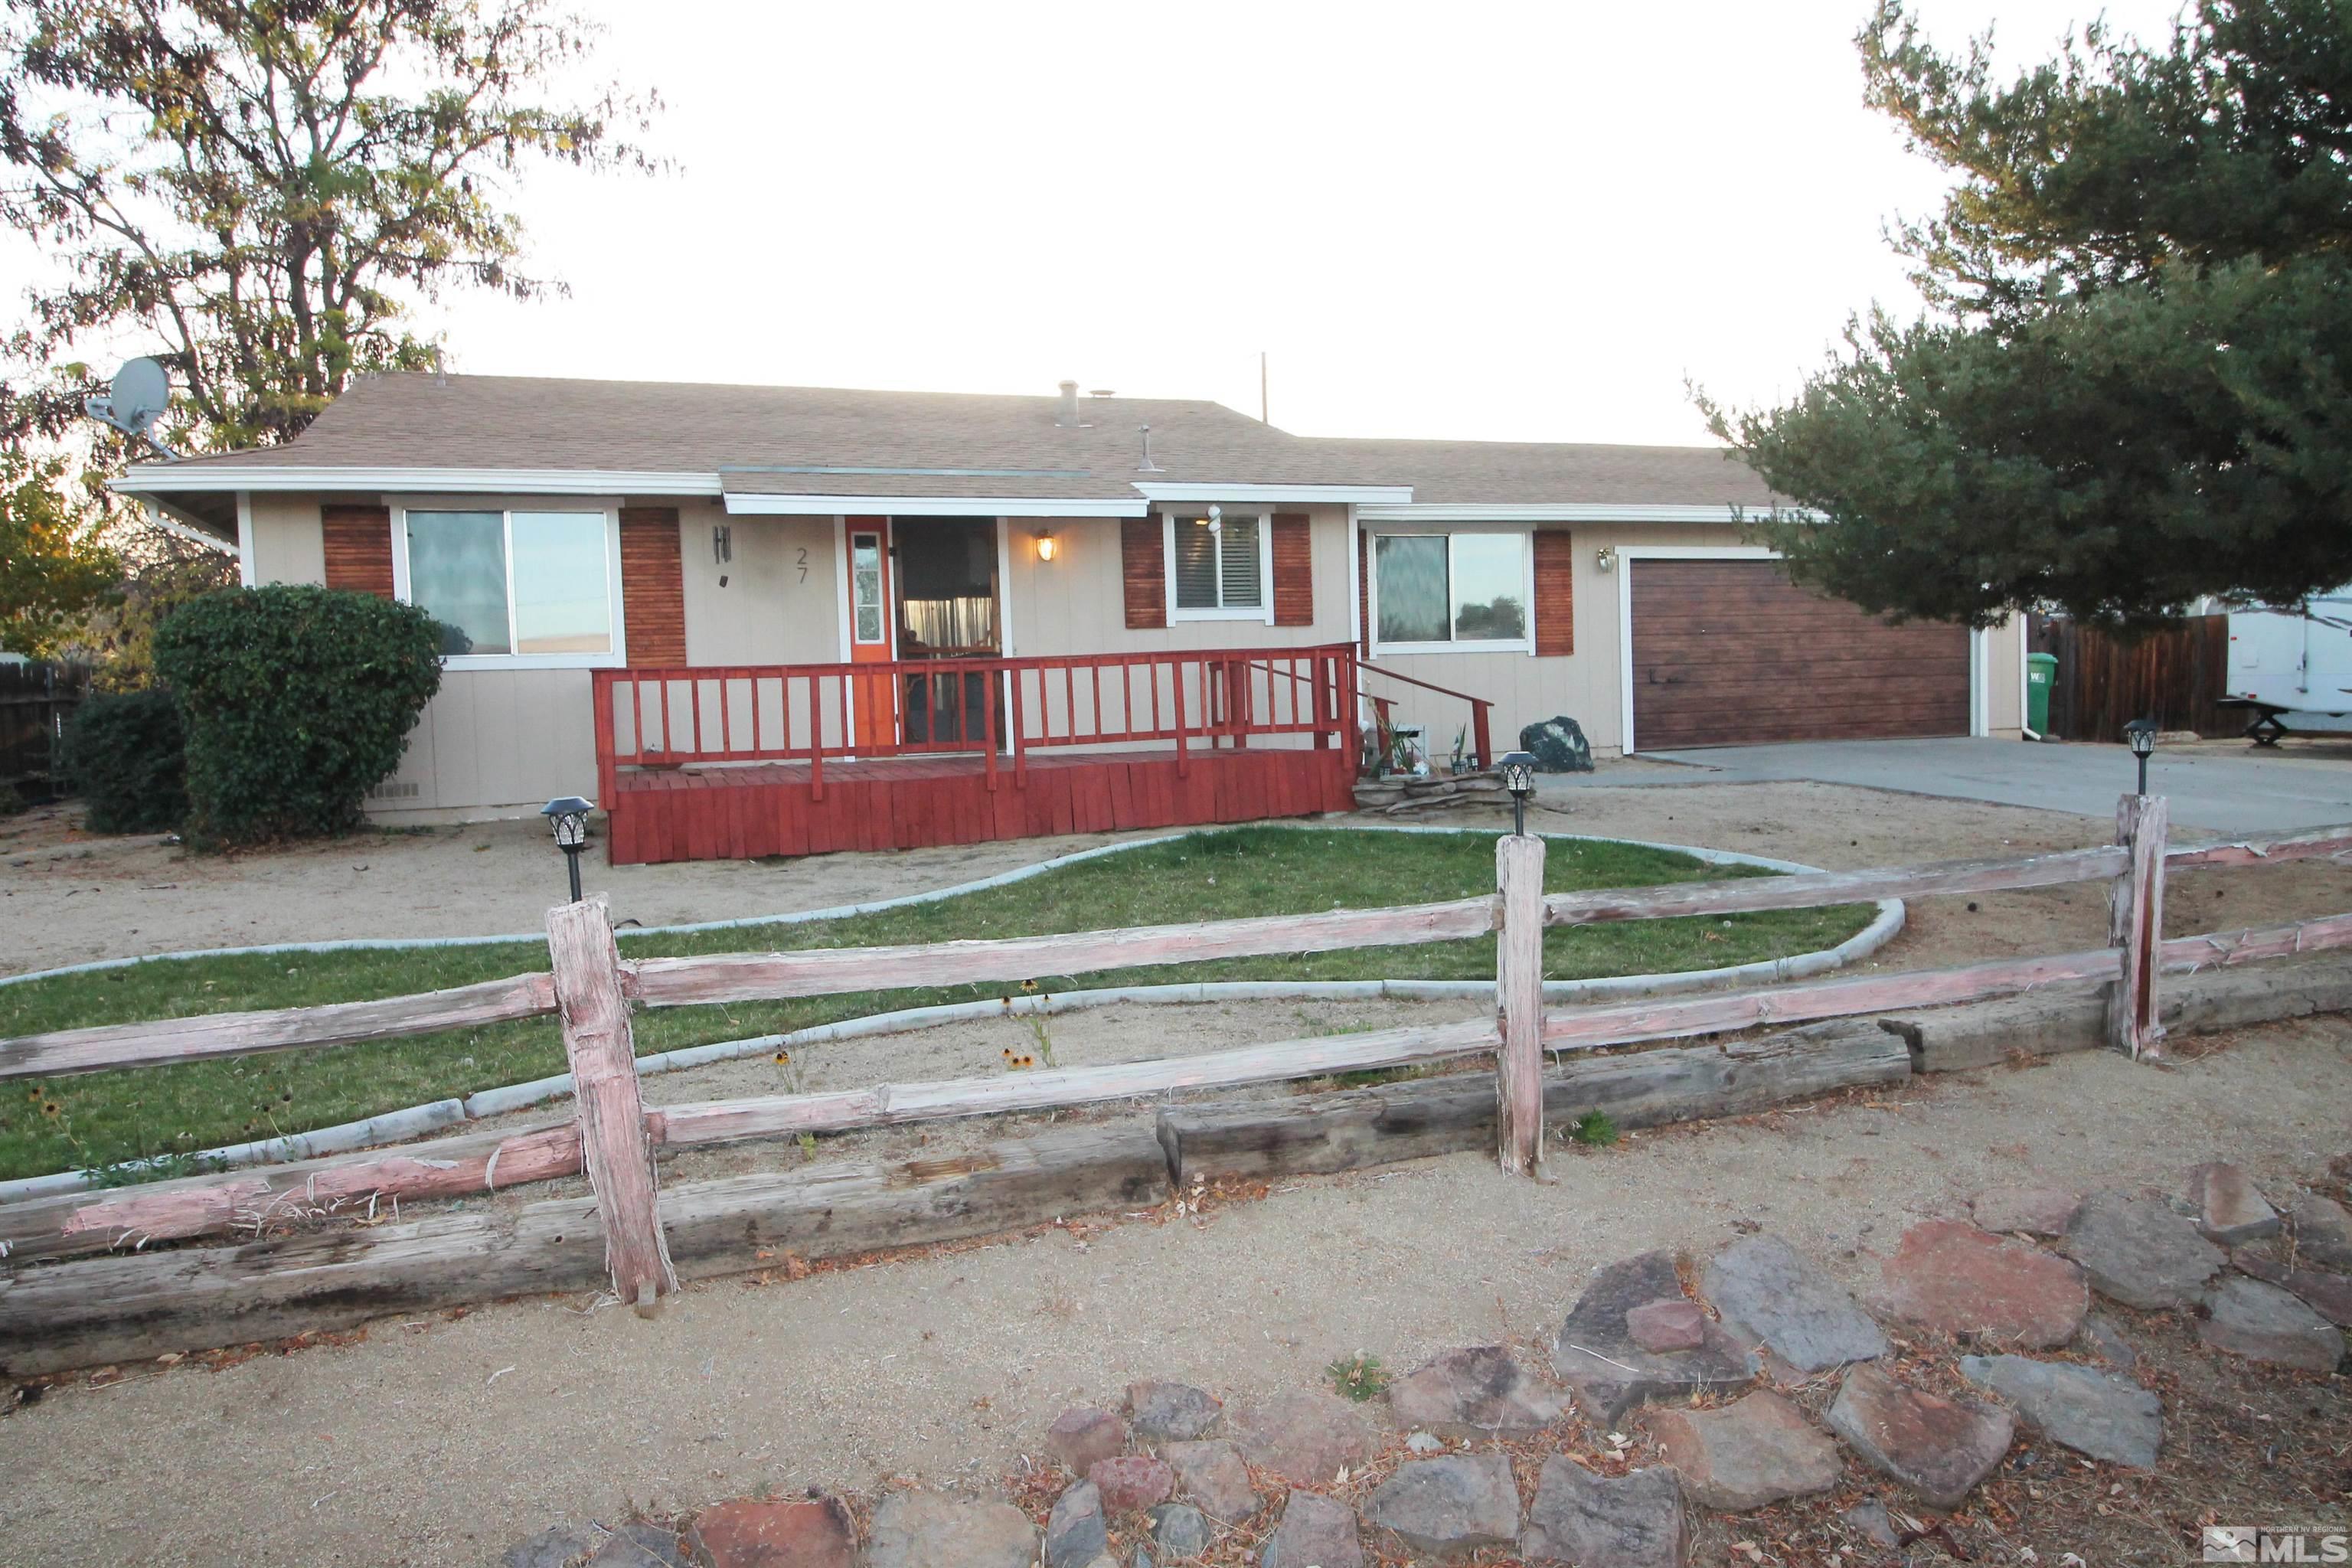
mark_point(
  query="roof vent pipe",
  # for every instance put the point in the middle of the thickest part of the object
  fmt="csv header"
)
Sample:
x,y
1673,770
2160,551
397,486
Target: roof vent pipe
x,y
1067,413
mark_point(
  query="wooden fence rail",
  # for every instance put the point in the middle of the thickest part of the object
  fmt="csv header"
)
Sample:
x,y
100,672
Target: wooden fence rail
x,y
615,1138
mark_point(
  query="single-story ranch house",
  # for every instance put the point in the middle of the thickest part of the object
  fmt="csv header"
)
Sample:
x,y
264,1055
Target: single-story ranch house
x,y
762,620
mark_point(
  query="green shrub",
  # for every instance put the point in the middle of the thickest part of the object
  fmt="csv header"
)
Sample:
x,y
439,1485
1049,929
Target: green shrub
x,y
299,700
125,755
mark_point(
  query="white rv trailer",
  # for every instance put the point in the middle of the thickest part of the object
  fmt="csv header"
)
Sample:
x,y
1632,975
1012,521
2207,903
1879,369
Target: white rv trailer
x,y
2293,672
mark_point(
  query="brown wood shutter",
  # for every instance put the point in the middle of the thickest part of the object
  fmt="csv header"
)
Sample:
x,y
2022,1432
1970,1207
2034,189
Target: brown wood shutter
x,y
359,548
652,586
1555,550
1294,570
1143,570
1363,594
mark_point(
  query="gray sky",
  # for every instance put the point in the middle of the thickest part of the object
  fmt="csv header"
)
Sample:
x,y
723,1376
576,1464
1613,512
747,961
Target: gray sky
x,y
1508,221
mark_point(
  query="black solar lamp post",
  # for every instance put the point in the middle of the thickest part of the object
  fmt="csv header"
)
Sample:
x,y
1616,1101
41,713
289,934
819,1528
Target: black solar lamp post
x,y
569,818
1519,770
2141,734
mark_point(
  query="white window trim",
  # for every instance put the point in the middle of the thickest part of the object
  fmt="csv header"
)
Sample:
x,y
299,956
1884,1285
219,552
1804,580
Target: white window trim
x,y
1263,611
1526,644
617,658
888,637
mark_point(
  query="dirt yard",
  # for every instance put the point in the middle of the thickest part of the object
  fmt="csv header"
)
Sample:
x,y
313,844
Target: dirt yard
x,y
436,1442
440,1440
66,898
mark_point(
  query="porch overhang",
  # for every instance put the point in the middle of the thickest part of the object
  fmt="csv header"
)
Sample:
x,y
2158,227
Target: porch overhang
x,y
1332,495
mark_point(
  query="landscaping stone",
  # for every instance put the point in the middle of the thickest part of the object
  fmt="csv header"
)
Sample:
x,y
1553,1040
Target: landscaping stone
x,y
1130,1483
1595,1355
1869,1518
1450,1507
2323,1232
928,1530
2100,1337
1951,1276
1771,1295
1423,1443
1626,1521
1479,1392
1075,1533
1171,1412
2096,1413
1304,1438
2138,1251
1316,1532
1558,746
1181,1530
2329,1294
1748,1454
658,1542
1675,1325
1213,1476
553,1547
2229,1210
750,1533
622,1552
2262,1323
1082,1435
2036,1211
1938,1448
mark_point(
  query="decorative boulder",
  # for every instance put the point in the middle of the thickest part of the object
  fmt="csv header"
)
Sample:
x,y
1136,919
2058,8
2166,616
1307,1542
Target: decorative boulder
x,y
1558,745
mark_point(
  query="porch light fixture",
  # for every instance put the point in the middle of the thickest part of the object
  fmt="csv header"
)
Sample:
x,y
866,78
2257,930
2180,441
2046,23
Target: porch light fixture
x,y
1519,770
1605,559
2141,734
568,816
1047,548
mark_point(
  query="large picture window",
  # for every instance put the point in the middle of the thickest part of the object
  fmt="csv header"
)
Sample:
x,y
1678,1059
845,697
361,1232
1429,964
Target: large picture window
x,y
1437,590
1218,565
509,585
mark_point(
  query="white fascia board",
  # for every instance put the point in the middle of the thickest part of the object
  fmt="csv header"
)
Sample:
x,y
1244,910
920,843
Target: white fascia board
x,y
739,503
153,479
1571,512
1338,495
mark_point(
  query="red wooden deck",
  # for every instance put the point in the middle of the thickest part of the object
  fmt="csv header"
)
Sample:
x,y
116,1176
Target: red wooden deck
x,y
740,812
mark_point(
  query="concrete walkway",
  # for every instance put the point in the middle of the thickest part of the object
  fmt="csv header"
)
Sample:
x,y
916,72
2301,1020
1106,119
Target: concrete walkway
x,y
2217,788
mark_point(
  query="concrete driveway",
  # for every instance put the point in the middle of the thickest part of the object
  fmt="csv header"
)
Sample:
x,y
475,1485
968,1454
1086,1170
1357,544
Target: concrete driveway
x,y
2224,789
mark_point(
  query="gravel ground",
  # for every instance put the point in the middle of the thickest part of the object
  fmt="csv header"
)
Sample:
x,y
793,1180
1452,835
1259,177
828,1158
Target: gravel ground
x,y
436,1442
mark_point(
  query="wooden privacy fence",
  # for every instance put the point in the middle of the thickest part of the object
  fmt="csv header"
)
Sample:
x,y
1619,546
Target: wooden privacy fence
x,y
36,699
2176,674
614,1138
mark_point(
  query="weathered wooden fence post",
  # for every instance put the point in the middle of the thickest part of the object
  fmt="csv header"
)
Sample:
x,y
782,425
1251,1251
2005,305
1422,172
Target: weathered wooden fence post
x,y
598,1042
1519,995
2135,923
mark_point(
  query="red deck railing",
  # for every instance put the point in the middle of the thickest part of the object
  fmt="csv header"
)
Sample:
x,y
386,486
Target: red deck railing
x,y
999,709
1482,741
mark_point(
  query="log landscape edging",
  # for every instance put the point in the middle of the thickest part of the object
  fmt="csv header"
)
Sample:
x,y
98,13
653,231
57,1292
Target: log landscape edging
x,y
127,1307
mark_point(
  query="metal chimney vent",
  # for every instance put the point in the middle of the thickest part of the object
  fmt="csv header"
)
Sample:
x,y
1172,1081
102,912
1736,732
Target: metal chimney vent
x,y
1067,413
1148,465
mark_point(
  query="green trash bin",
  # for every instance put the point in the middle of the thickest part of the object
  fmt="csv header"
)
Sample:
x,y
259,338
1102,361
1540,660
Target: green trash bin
x,y
2041,675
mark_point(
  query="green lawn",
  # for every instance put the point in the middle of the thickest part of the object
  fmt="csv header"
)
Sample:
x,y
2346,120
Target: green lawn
x,y
105,1118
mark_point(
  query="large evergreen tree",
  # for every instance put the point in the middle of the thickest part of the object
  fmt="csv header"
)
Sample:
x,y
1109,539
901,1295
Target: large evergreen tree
x,y
2134,387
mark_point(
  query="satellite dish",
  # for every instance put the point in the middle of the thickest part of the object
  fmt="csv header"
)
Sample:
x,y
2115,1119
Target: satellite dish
x,y
141,393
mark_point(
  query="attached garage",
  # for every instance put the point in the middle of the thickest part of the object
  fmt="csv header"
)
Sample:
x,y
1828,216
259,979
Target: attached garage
x,y
1727,653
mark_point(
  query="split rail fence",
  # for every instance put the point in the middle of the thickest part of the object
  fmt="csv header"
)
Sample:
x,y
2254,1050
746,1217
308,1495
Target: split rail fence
x,y
614,1138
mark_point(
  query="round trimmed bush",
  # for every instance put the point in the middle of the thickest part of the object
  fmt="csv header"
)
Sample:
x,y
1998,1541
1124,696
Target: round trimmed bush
x,y
298,701
123,754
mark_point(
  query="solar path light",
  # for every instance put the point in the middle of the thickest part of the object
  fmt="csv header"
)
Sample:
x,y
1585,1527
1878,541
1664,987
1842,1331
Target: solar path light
x,y
569,818
1519,770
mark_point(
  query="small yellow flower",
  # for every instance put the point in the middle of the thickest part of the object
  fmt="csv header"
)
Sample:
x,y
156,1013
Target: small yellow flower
x,y
51,1109
1030,986
783,1059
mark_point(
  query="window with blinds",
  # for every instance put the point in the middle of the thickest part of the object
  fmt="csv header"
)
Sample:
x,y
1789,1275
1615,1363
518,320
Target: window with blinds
x,y
1219,563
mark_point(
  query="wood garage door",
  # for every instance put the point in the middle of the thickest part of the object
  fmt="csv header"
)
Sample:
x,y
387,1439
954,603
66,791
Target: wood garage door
x,y
1730,653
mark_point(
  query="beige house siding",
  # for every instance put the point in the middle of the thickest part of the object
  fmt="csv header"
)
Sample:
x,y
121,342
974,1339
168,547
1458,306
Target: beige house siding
x,y
288,545
780,604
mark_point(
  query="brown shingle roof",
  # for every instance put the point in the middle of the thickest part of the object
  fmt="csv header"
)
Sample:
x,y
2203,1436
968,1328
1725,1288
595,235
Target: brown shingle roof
x,y
801,440
1546,472
1006,446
